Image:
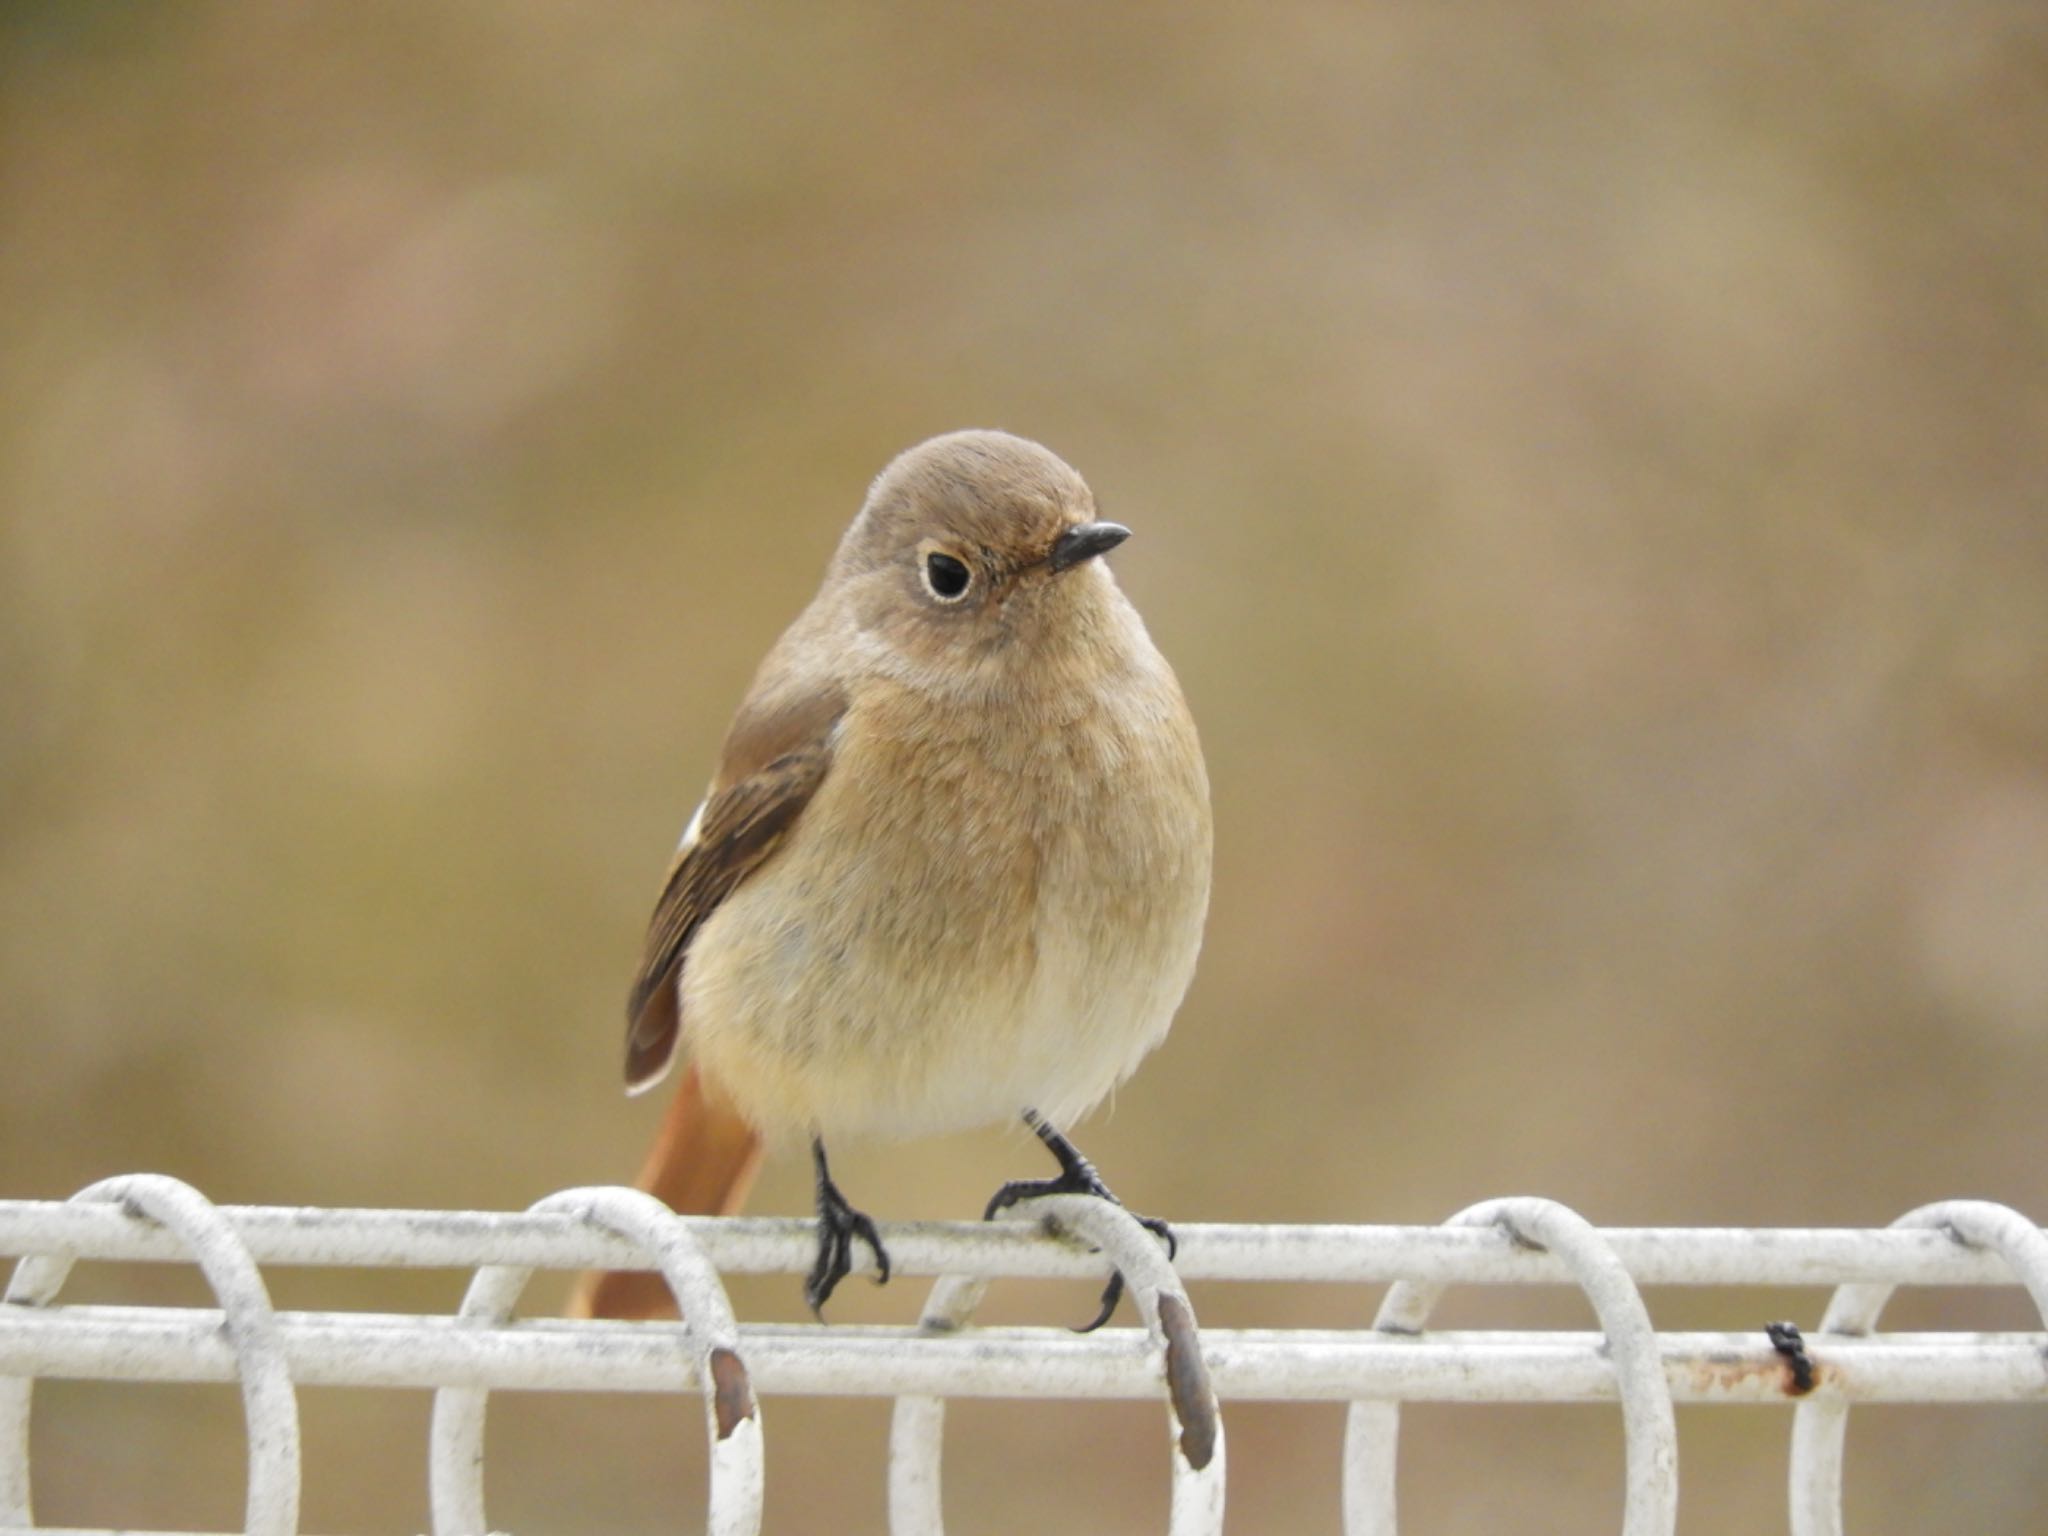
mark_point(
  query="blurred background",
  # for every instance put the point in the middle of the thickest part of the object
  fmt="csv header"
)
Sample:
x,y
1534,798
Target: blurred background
x,y
1589,473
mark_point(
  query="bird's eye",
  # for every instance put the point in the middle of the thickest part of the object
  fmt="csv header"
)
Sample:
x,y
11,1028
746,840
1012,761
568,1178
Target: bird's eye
x,y
946,578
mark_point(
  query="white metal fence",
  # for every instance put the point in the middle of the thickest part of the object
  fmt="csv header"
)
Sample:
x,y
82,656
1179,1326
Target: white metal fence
x,y
1841,1361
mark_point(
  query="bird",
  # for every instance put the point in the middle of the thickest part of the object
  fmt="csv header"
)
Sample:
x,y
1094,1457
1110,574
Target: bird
x,y
952,868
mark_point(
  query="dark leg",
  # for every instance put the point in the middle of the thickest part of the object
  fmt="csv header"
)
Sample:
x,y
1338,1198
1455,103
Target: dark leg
x,y
1077,1177
838,1225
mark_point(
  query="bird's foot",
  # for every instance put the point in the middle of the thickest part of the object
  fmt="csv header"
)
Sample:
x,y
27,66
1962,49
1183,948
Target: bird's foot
x,y
839,1224
1077,1176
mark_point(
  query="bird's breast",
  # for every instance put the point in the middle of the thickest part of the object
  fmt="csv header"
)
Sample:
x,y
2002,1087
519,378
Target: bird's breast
x,y
980,910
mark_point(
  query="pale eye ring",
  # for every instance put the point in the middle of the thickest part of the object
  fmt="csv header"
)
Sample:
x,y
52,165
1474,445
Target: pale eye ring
x,y
946,578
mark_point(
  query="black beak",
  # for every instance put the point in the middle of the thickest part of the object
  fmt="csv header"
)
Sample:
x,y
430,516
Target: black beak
x,y
1085,541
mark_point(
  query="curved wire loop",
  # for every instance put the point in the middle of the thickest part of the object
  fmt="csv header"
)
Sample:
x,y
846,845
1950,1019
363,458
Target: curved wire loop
x,y
1194,1422
917,1426
270,1406
1821,1422
1372,1429
733,1417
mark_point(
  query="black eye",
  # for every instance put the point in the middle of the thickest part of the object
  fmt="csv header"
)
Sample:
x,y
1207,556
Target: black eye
x,y
946,577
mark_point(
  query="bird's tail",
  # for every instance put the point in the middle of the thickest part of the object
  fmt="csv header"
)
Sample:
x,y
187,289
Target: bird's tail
x,y
701,1164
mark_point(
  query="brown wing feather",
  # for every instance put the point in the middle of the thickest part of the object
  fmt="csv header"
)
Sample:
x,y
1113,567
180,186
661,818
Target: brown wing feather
x,y
774,762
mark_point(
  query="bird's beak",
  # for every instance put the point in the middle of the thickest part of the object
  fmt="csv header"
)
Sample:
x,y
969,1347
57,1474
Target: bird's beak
x,y
1084,541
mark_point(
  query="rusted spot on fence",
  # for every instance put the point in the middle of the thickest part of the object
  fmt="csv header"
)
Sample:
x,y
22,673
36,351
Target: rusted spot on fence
x,y
1733,1375
1187,1382
732,1392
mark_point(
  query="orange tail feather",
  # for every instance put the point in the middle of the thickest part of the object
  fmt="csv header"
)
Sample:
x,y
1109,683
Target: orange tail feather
x,y
702,1163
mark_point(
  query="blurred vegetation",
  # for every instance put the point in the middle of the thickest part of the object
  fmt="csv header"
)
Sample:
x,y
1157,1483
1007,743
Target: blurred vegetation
x,y
1589,472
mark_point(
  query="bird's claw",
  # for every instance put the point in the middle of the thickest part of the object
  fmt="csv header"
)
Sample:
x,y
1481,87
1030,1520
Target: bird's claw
x,y
839,1224
1081,1179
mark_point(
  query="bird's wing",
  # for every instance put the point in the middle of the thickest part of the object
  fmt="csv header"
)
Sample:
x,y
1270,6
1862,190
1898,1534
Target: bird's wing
x,y
774,760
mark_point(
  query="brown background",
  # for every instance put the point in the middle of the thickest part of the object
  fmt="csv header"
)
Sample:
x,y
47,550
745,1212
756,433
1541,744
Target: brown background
x,y
1588,471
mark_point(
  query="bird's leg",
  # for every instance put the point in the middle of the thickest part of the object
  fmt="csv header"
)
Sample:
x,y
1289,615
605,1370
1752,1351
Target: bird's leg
x,y
1077,1177
838,1225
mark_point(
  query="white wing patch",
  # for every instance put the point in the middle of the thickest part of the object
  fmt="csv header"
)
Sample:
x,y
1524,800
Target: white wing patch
x,y
696,825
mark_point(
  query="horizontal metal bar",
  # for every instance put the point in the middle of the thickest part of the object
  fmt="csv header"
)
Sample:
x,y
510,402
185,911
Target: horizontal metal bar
x,y
381,1350
292,1235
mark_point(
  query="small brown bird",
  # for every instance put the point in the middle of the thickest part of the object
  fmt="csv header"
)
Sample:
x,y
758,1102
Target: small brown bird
x,y
953,865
